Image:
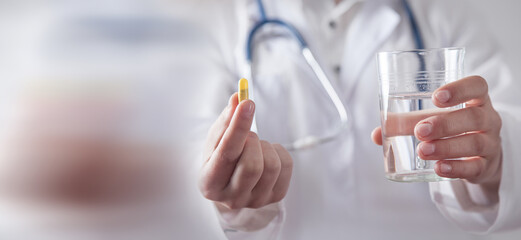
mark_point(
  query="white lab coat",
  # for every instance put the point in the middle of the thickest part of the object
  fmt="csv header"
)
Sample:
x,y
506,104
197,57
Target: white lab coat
x,y
338,190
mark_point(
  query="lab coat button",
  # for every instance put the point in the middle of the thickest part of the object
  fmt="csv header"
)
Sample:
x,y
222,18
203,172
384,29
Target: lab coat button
x,y
337,69
332,24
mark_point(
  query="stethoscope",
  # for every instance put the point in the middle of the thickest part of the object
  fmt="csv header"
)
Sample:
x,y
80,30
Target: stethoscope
x,y
310,141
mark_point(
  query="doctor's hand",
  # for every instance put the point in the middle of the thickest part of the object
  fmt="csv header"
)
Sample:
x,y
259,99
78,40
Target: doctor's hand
x,y
241,171
472,133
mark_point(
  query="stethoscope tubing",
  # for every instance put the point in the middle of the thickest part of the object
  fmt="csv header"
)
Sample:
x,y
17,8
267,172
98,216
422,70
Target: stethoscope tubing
x,y
310,141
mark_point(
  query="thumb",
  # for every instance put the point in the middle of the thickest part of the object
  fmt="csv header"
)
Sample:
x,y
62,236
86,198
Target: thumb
x,y
376,136
240,125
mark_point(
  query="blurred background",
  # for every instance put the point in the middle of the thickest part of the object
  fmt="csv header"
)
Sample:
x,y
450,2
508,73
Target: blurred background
x,y
502,18
96,99
94,127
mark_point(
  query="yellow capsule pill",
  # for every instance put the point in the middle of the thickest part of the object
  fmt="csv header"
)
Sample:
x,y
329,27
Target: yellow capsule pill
x,y
243,90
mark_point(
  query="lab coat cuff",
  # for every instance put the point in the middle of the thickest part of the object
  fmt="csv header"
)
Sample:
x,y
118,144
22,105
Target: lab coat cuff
x,y
246,223
465,204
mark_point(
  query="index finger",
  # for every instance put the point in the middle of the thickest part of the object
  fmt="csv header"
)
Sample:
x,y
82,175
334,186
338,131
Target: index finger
x,y
403,124
471,90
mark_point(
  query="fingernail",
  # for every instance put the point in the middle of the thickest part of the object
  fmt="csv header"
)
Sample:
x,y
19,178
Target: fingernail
x,y
445,168
427,148
248,109
443,96
424,129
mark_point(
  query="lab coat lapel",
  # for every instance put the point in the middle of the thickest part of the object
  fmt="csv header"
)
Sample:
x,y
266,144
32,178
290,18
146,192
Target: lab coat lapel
x,y
374,24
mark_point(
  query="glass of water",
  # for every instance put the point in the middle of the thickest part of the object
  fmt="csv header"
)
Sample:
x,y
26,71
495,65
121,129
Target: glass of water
x,y
407,80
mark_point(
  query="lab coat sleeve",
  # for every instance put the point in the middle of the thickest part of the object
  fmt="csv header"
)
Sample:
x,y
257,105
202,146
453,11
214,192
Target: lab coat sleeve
x,y
463,203
261,224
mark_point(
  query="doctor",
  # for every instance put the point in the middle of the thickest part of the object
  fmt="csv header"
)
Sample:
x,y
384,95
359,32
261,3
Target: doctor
x,y
336,189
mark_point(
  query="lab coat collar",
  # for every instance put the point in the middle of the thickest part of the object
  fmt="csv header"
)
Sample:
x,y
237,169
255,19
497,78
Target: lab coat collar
x,y
372,26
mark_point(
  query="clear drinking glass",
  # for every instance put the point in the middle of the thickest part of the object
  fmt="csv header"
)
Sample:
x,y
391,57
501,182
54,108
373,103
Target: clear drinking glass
x,y
407,80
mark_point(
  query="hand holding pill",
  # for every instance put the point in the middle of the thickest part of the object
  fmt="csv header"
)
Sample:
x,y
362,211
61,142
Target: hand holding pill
x,y
241,171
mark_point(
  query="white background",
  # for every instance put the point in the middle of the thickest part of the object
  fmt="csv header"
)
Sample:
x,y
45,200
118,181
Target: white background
x,y
503,19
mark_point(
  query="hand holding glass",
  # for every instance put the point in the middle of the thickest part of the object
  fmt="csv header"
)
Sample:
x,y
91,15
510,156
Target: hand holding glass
x,y
407,81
